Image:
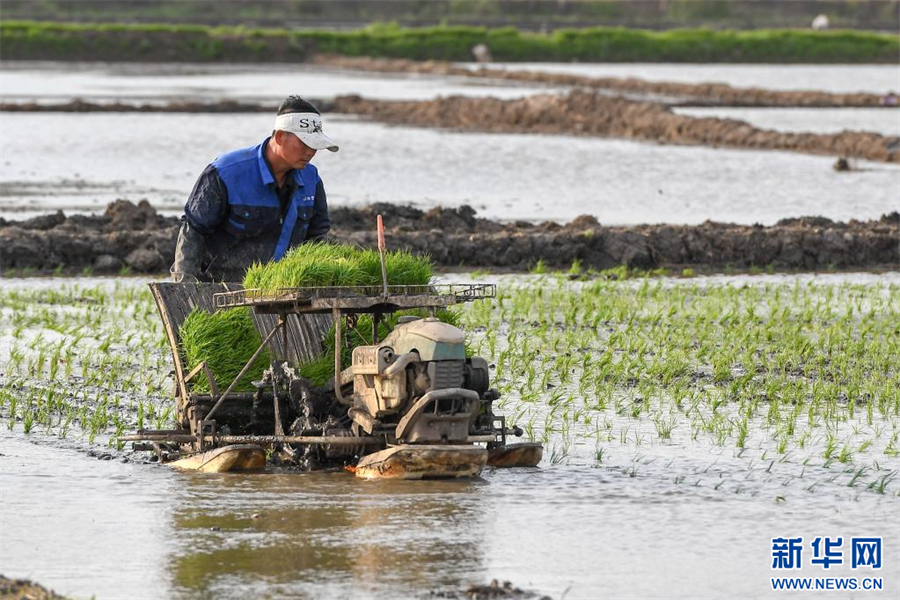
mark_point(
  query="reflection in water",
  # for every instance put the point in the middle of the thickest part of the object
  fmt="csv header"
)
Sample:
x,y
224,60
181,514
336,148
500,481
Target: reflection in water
x,y
309,534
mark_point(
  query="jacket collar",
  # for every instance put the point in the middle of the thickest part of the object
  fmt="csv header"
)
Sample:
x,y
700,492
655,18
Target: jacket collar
x,y
265,170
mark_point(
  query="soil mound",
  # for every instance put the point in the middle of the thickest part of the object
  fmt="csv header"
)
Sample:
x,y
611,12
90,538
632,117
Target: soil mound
x,y
591,113
135,238
23,589
179,106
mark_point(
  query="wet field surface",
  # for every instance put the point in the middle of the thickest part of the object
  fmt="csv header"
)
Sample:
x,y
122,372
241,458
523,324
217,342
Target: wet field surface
x,y
620,182
503,176
876,79
640,494
619,506
79,520
27,81
819,120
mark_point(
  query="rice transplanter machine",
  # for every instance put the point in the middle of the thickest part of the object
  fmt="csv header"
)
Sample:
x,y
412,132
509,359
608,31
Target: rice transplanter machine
x,y
409,406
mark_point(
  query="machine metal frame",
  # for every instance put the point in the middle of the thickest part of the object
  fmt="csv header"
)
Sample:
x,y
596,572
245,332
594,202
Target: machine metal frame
x,y
339,302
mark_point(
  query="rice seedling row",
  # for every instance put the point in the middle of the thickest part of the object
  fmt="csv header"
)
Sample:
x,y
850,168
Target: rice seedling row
x,y
754,388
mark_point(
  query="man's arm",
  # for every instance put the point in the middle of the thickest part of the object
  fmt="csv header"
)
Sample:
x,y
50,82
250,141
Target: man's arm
x,y
319,223
203,213
188,250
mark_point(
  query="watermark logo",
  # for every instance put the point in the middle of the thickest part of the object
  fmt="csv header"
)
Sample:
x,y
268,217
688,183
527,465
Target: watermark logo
x,y
827,553
865,552
786,553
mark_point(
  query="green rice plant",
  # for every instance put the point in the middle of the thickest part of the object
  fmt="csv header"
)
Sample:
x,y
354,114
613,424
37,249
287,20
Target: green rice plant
x,y
880,485
225,340
28,419
539,268
97,41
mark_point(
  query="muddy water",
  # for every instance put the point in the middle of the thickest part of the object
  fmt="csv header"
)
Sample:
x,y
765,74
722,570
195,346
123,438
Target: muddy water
x,y
89,527
98,82
676,518
876,79
821,120
82,162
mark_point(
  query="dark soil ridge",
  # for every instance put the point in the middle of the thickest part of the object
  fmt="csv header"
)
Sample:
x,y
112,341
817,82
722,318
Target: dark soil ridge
x,y
683,94
575,113
137,238
179,106
593,114
24,589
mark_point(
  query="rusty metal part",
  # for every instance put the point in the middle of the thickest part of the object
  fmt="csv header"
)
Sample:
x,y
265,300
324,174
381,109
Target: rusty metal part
x,y
336,317
238,457
363,419
180,437
355,298
425,461
526,454
264,440
203,366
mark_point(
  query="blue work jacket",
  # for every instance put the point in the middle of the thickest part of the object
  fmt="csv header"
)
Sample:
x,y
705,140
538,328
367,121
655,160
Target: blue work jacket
x,y
235,206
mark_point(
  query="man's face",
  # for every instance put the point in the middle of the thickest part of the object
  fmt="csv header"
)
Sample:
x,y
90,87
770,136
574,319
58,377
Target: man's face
x,y
293,151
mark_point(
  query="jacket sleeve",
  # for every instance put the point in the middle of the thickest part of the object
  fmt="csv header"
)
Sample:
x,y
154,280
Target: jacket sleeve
x,y
189,249
319,223
204,211
207,206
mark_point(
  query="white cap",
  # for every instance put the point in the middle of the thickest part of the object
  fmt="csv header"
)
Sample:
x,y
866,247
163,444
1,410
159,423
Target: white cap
x,y
308,127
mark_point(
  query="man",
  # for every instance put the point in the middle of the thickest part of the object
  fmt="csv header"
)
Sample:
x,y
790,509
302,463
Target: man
x,y
256,203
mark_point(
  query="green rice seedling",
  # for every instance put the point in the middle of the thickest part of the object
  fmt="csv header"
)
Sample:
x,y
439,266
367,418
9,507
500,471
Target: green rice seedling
x,y
664,427
845,454
28,419
880,485
226,340
539,268
326,264
162,418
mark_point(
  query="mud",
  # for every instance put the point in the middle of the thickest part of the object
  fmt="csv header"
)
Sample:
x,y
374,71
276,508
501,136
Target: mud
x,y
575,113
680,94
494,591
134,238
591,113
23,589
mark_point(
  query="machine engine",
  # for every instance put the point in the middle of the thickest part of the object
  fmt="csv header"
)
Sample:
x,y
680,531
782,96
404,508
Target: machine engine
x,y
417,386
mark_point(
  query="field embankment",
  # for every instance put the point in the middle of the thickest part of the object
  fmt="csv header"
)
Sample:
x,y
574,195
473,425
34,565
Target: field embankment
x,y
134,238
592,113
33,40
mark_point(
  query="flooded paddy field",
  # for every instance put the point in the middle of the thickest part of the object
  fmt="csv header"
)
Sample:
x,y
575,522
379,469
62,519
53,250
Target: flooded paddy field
x,y
817,120
28,81
81,162
876,79
618,181
686,423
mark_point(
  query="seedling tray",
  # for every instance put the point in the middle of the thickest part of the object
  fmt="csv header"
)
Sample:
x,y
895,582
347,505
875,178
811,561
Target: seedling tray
x,y
355,299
